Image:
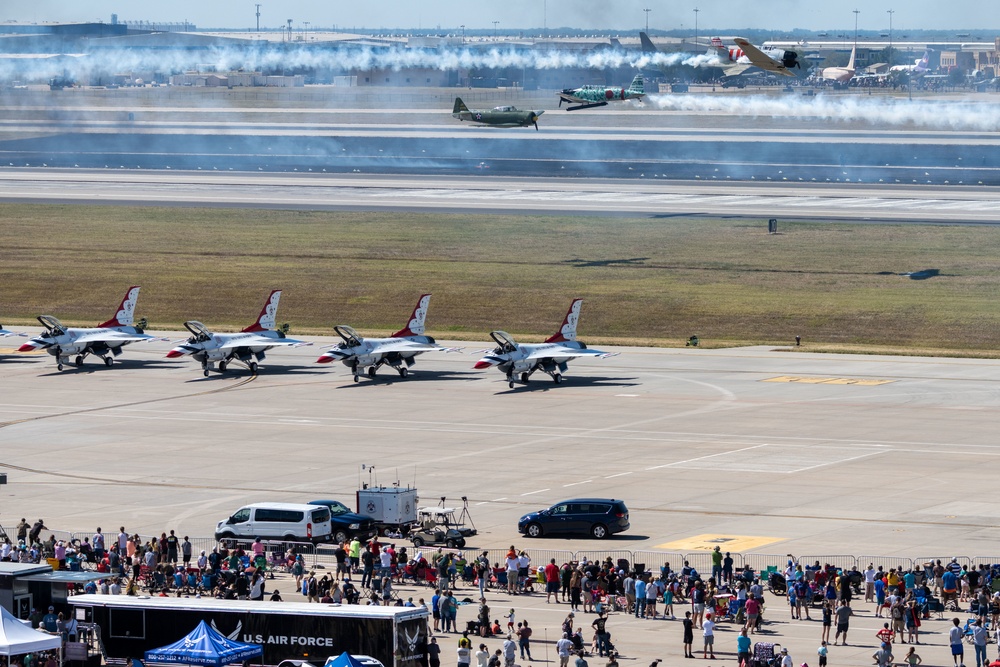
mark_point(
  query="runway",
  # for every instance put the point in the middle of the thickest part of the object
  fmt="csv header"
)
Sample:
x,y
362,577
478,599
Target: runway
x,y
624,143
642,197
821,453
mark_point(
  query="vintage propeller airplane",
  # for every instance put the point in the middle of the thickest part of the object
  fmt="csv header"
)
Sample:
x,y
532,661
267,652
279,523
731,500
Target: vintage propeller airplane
x,y
505,116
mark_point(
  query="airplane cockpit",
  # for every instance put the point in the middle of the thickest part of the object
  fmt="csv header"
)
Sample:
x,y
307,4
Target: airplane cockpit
x,y
199,332
53,327
350,336
505,108
505,343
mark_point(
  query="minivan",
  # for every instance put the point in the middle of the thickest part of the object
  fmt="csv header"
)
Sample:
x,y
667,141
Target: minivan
x,y
277,521
596,517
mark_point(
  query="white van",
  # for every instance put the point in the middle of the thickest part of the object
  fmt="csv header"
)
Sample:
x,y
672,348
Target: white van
x,y
277,521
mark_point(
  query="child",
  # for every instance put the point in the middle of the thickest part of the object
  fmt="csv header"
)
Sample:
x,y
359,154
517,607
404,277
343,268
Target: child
x,y
510,621
911,658
821,652
668,601
688,635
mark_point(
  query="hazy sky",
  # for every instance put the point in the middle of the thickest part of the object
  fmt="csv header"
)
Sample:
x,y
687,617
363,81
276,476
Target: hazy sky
x,y
964,15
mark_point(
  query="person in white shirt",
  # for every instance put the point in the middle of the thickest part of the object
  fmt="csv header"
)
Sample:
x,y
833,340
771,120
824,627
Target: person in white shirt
x,y
870,583
563,648
482,656
708,630
786,660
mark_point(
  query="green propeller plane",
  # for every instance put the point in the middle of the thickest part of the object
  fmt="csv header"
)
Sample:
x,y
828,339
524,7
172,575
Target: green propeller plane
x,y
587,97
505,116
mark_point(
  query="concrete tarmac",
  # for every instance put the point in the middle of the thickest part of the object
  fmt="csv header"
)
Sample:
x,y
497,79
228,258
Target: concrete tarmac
x,y
764,450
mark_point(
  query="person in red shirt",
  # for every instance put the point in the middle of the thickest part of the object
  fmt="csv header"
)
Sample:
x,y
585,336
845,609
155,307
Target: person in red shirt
x,y
885,635
551,581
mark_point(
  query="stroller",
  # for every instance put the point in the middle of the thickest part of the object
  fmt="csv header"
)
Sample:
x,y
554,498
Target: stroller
x,y
776,583
765,654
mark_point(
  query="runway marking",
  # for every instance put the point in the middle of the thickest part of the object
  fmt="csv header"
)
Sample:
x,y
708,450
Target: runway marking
x,y
829,380
702,458
709,541
626,395
496,500
587,481
621,474
531,493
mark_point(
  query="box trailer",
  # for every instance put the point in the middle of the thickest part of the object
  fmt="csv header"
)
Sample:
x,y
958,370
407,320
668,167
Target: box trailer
x,y
394,508
130,626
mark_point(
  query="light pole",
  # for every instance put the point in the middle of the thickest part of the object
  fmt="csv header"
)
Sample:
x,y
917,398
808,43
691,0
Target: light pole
x,y
890,12
463,32
647,19
856,12
258,18
495,30
696,10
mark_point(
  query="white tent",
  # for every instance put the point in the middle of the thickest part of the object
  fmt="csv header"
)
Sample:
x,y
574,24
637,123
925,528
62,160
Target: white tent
x,y
17,638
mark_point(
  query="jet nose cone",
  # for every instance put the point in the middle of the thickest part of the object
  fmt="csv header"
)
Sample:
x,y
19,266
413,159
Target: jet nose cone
x,y
325,359
27,347
482,363
174,353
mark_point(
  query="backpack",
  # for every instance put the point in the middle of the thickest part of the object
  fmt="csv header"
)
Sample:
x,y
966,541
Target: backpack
x,y
897,613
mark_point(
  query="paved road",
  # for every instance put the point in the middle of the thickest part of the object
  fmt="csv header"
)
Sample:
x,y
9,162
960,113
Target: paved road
x,y
856,202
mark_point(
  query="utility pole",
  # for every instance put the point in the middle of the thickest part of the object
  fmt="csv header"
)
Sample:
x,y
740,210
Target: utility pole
x,y
463,32
890,12
258,18
647,19
856,12
495,30
696,10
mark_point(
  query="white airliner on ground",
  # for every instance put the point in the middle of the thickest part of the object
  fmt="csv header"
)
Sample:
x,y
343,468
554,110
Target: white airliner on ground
x,y
106,340
247,347
550,357
397,351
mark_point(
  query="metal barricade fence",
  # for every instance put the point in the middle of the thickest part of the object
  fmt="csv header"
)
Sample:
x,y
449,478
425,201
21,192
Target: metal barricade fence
x,y
841,562
988,561
964,561
655,560
599,555
760,562
887,562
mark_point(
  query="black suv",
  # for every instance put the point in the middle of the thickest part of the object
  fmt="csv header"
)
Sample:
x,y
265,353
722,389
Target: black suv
x,y
345,524
597,517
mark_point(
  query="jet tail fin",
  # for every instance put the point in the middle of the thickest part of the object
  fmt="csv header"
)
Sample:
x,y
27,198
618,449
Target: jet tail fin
x,y
459,106
850,63
415,327
647,44
567,330
637,85
265,321
124,316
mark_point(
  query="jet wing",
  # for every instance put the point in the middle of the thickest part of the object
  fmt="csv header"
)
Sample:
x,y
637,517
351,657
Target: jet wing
x,y
262,341
404,346
566,353
736,69
111,337
761,59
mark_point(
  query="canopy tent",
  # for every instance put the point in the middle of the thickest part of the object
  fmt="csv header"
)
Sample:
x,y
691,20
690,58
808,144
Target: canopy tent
x,y
205,646
16,638
345,659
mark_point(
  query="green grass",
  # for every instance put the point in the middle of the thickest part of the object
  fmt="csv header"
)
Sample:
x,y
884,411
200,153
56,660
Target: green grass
x,y
644,280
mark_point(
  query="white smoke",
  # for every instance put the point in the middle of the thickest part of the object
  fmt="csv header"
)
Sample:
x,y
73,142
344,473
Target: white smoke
x,y
967,116
342,58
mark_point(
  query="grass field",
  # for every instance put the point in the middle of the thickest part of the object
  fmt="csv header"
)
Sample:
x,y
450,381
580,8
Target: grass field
x,y
653,281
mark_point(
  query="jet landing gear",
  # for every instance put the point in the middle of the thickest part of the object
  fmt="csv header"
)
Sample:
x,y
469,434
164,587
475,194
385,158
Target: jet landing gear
x,y
372,370
109,361
403,371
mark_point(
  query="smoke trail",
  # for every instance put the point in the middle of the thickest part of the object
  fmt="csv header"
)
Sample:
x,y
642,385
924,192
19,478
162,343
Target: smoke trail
x,y
873,111
339,58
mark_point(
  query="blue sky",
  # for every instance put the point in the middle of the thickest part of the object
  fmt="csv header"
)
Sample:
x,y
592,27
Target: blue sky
x,y
781,15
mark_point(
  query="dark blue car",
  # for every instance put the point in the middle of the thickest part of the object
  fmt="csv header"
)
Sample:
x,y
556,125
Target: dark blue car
x,y
345,525
596,517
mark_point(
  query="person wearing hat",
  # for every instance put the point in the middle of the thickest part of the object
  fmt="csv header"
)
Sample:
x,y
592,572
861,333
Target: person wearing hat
x,y
708,632
50,620
786,660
